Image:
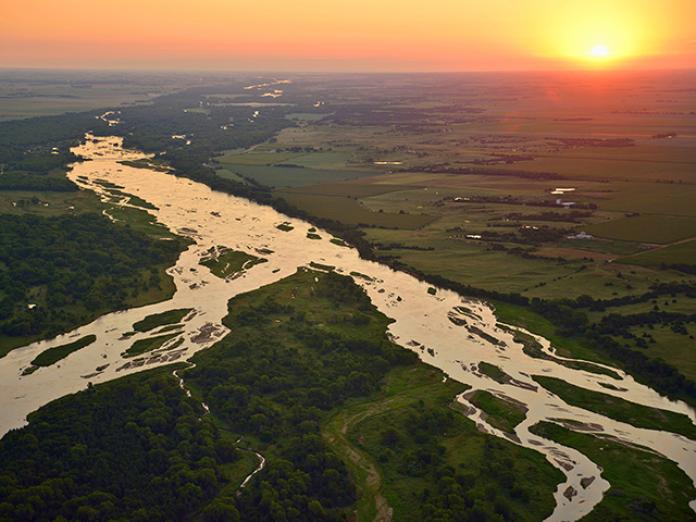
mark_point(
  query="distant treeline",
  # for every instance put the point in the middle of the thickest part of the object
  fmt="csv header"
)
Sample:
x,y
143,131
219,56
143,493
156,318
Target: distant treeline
x,y
32,183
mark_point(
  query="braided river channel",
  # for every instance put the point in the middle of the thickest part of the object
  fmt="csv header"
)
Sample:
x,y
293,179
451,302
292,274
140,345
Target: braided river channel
x,y
448,331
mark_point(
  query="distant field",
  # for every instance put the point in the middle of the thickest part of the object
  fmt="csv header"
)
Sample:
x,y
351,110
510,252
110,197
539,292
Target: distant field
x,y
257,157
45,100
604,246
651,198
679,350
682,253
348,210
647,228
625,163
352,190
333,160
288,176
471,264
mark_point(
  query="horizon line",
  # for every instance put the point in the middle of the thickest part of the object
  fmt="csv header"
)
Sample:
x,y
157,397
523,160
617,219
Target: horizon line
x,y
192,70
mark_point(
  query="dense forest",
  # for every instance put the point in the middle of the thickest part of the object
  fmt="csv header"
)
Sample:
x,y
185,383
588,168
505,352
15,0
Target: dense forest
x,y
132,449
58,272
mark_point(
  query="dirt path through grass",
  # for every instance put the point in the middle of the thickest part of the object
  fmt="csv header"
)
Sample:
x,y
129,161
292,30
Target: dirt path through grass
x,y
367,476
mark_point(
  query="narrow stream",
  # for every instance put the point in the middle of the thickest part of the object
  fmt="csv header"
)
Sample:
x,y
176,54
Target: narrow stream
x,y
448,331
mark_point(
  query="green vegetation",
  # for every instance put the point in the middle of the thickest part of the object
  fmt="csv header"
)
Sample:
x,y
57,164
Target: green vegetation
x,y
148,344
58,273
673,346
647,228
348,210
288,175
225,262
22,203
348,423
644,486
28,182
567,346
141,203
288,364
321,382
492,371
619,409
133,449
679,255
55,354
321,266
500,413
413,450
163,318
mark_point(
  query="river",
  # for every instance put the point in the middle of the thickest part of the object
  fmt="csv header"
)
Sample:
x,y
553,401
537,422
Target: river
x,y
443,328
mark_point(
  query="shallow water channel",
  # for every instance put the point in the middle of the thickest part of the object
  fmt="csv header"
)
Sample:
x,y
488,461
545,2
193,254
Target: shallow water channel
x,y
444,328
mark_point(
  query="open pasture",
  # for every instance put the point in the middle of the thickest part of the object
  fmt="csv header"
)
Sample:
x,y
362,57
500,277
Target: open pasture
x,y
289,175
348,210
650,198
25,99
647,228
683,253
352,189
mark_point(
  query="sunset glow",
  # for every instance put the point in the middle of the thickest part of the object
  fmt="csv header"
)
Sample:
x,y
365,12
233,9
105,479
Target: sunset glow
x,y
599,51
359,35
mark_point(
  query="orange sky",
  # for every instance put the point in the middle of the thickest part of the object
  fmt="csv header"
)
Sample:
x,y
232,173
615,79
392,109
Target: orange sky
x,y
345,35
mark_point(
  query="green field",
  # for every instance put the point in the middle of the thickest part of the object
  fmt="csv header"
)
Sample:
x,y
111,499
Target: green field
x,y
661,229
290,176
48,203
678,254
651,198
348,210
354,189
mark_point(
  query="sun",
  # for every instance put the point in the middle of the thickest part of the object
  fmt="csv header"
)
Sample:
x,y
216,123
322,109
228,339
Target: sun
x,y
600,51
